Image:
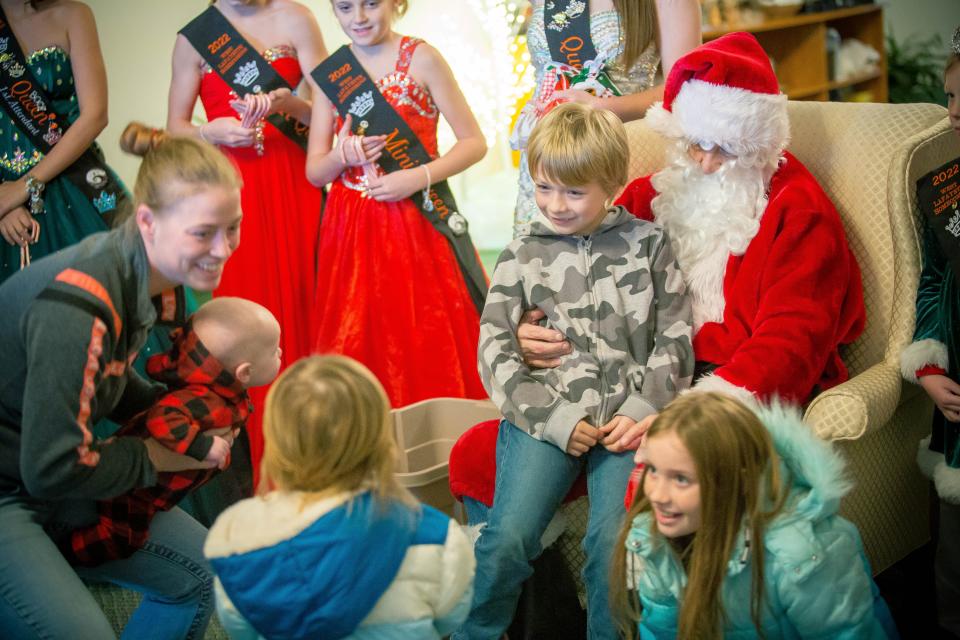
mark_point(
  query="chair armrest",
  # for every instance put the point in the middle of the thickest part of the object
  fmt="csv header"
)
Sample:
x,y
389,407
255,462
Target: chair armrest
x,y
863,403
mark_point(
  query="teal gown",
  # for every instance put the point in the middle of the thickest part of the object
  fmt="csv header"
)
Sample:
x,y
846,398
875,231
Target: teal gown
x,y
68,215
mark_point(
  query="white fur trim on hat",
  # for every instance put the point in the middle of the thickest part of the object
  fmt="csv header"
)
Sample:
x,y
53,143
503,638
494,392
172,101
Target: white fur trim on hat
x,y
713,382
920,354
945,478
745,122
662,121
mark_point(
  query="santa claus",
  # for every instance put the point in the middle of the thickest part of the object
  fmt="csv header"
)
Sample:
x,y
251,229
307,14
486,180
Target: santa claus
x,y
775,288
774,285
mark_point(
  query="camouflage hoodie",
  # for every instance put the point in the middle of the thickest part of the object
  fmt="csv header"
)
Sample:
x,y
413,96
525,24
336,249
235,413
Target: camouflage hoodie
x,y
618,297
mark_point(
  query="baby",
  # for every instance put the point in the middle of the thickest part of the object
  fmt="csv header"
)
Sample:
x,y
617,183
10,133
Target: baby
x,y
228,346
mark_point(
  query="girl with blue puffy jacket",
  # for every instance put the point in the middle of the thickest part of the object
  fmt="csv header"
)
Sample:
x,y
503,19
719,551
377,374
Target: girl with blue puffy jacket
x,y
336,548
735,533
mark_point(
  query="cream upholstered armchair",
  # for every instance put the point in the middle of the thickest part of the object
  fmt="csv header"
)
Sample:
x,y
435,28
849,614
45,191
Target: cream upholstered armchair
x,y
868,158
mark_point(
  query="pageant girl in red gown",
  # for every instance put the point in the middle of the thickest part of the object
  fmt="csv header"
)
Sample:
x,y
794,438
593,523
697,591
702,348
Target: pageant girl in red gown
x,y
389,290
275,262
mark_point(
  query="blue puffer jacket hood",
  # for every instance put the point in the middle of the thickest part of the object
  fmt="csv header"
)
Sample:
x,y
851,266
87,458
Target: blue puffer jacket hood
x,y
298,570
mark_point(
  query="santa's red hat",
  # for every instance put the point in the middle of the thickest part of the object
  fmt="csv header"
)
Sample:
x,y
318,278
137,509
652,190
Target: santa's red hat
x,y
725,93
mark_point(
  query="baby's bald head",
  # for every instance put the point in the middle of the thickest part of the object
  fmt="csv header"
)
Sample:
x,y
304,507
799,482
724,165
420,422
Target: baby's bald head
x,y
243,335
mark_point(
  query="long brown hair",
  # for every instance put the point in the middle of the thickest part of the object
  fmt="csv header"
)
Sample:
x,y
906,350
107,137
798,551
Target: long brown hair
x,y
638,21
738,471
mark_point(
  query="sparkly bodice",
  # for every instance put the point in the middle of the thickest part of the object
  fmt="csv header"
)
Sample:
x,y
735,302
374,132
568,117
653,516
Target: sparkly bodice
x,y
605,31
409,99
216,95
51,67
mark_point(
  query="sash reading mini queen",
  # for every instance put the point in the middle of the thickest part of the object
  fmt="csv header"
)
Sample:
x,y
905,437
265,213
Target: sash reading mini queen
x,y
31,110
240,65
938,196
351,91
568,33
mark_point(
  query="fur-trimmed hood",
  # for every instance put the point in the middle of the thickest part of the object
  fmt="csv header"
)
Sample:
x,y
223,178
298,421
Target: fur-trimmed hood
x,y
816,470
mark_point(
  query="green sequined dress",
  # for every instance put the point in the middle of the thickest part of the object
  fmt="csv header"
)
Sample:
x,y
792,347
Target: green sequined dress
x,y
68,214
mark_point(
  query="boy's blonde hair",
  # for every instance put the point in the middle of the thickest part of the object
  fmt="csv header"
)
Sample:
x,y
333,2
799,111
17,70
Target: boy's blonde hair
x,y
327,428
738,471
575,144
174,167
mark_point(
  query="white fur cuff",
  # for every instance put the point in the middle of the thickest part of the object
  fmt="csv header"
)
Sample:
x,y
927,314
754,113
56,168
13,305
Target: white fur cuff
x,y
945,478
920,354
713,382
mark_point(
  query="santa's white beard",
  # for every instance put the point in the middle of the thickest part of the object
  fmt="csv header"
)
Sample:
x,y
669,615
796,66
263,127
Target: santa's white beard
x,y
708,218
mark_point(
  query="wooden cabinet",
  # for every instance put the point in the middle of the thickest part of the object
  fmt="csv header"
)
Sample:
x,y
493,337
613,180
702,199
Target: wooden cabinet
x,y
798,46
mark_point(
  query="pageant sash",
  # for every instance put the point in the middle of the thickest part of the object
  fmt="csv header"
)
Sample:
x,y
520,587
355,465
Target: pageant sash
x,y
348,87
568,33
30,108
938,196
240,65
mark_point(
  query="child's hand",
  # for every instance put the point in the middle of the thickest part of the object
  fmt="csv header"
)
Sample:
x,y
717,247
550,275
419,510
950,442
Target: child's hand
x,y
623,434
397,185
584,436
227,132
18,227
279,100
578,95
219,454
945,394
355,151
613,431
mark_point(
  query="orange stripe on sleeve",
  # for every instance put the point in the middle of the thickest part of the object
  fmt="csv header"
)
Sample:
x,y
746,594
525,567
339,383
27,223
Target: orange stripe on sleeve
x,y
89,284
88,390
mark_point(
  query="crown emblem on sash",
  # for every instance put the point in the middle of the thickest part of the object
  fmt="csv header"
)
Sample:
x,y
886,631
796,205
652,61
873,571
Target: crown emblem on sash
x,y
362,104
3,44
16,69
105,202
247,73
53,135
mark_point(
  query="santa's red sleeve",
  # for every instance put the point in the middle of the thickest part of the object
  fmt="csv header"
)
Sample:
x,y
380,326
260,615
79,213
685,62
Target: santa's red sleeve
x,y
809,301
636,198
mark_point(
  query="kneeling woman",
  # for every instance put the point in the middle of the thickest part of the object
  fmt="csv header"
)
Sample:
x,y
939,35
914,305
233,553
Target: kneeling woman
x,y
735,533
70,326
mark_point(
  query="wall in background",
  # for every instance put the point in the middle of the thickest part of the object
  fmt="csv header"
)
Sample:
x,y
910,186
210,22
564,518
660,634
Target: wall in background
x,y
922,18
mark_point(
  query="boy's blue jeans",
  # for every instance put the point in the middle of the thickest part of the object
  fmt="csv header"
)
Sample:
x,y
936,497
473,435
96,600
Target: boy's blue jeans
x,y
42,596
533,477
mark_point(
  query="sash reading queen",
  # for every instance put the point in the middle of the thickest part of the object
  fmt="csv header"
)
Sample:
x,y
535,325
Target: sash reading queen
x,y
351,91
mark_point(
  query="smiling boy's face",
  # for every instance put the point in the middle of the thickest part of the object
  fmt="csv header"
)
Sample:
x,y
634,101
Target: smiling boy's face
x,y
572,210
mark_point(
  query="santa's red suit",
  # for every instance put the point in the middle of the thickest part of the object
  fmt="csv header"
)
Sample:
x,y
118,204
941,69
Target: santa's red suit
x,y
790,300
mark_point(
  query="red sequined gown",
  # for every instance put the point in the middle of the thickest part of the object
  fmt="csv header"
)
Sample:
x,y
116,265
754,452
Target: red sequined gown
x,y
274,264
389,291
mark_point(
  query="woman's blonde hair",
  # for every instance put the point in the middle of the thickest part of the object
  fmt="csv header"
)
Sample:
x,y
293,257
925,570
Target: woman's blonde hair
x,y
738,471
174,166
638,20
327,428
575,144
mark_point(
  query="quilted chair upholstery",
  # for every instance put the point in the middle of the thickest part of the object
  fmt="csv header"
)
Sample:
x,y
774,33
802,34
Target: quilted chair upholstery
x,y
868,158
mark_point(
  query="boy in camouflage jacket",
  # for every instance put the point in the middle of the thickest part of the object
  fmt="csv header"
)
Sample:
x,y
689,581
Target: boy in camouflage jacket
x,y
610,284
